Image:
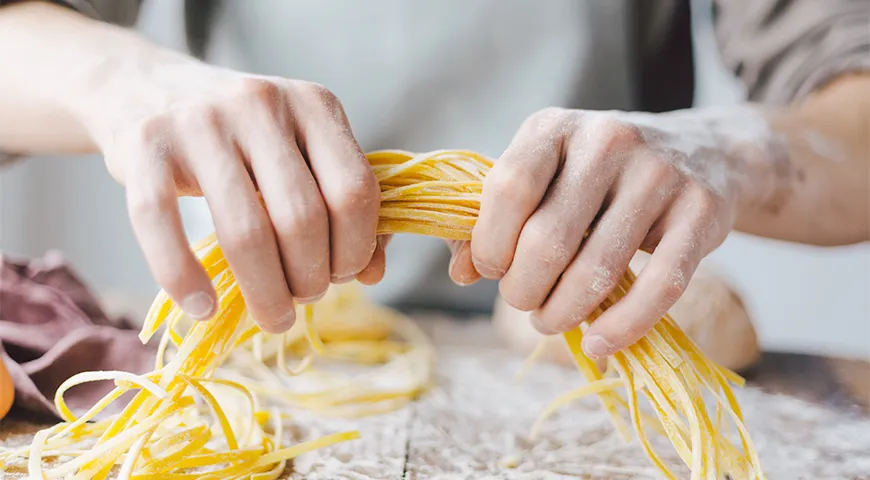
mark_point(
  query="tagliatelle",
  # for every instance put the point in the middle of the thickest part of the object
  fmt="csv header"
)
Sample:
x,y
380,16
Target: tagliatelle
x,y
207,420
199,413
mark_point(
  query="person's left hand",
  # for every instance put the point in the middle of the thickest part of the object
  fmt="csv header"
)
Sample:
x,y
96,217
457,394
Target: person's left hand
x,y
633,181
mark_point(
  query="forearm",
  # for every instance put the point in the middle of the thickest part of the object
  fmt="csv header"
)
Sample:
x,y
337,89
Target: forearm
x,y
800,172
59,68
818,169
785,53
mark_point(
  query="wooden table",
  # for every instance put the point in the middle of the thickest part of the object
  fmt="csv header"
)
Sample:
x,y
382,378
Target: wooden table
x,y
809,417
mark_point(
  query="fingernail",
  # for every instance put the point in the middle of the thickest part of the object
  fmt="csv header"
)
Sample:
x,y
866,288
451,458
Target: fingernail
x,y
595,346
465,280
383,241
454,245
280,325
310,299
462,279
462,275
198,305
453,257
539,325
487,270
343,279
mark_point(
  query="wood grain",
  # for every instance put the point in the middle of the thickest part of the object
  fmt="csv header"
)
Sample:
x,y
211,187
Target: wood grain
x,y
380,453
808,415
843,384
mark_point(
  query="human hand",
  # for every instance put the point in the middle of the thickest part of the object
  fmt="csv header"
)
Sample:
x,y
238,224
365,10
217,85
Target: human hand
x,y
633,181
710,312
188,129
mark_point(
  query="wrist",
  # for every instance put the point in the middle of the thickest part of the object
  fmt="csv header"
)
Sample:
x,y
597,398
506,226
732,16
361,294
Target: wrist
x,y
119,87
752,157
764,173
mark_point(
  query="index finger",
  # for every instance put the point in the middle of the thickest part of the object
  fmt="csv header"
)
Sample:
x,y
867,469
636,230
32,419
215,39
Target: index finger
x,y
152,204
512,190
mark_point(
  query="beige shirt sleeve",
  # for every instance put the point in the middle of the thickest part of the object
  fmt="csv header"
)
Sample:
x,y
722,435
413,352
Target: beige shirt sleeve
x,y
120,12
784,49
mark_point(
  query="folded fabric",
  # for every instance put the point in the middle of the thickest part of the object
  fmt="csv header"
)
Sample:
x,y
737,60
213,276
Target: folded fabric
x,y
52,327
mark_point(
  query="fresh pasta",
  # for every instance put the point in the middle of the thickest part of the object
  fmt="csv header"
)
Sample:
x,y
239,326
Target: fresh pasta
x,y
209,409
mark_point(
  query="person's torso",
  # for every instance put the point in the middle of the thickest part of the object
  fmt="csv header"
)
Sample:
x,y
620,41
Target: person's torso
x,y
430,75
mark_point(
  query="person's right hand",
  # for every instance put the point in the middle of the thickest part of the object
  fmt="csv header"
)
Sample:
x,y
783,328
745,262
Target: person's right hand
x,y
189,129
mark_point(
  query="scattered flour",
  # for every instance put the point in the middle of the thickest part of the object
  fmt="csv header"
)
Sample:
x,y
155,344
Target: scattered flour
x,y
461,429
475,423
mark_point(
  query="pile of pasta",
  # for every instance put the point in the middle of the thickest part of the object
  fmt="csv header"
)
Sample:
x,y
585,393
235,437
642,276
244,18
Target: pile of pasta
x,y
211,408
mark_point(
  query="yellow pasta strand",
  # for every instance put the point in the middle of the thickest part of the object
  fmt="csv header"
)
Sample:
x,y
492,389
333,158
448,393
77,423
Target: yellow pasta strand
x,y
199,414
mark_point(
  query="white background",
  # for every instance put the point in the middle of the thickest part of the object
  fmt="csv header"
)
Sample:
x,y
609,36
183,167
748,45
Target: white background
x,y
803,298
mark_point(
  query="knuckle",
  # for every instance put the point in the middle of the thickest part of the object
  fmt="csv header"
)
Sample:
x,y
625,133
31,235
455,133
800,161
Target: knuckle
x,y
549,114
710,199
566,317
199,117
659,179
663,171
252,234
673,287
150,132
323,103
505,183
716,238
592,283
672,157
317,92
520,298
707,204
260,90
142,204
360,195
711,216
602,280
548,119
313,286
549,241
301,224
617,133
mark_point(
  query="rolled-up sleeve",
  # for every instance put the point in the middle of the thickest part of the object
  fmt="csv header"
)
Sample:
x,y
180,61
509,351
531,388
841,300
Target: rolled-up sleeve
x,y
119,12
784,49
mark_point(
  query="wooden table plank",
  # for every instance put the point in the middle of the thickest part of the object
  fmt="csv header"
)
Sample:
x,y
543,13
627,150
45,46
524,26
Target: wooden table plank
x,y
805,414
379,454
476,416
840,383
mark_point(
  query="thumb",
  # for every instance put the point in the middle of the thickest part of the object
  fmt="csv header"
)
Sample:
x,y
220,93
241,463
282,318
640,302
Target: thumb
x,y
461,269
374,271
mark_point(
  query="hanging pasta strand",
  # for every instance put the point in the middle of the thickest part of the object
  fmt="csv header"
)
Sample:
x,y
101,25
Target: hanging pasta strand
x,y
438,194
200,413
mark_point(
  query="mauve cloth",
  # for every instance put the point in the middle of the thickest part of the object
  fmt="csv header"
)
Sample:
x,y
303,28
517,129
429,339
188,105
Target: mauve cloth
x,y
52,327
